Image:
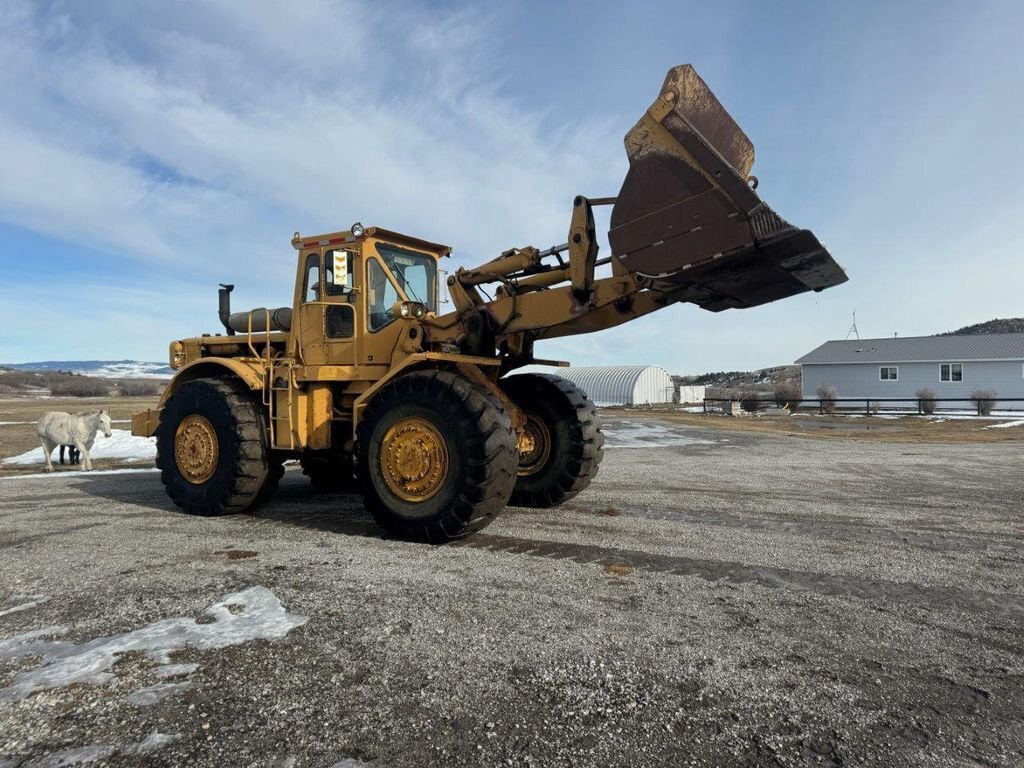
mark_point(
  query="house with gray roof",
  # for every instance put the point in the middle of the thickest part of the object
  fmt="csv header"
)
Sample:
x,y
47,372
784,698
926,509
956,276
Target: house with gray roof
x,y
952,366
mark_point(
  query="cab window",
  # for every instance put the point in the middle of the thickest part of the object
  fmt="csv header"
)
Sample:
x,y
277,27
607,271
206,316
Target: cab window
x,y
338,272
416,273
381,296
340,321
312,277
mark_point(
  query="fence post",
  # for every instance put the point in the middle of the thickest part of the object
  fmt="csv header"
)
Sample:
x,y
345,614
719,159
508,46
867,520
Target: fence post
x,y
867,407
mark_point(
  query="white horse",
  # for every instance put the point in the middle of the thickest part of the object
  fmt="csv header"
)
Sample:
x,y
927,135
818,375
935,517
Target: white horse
x,y
79,429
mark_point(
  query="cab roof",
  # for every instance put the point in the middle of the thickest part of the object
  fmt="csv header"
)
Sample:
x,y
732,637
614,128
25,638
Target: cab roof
x,y
338,238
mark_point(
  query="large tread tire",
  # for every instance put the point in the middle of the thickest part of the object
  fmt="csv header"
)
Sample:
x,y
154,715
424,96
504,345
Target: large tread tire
x,y
275,471
245,475
329,473
482,456
574,427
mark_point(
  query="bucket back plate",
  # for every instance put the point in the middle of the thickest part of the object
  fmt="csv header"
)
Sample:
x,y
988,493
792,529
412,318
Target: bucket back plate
x,y
688,216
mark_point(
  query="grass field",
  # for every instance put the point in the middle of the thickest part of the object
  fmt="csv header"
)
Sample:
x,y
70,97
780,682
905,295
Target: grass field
x,y
18,417
904,429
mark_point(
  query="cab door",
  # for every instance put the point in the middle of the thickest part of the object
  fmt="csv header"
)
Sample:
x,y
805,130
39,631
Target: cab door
x,y
339,305
326,327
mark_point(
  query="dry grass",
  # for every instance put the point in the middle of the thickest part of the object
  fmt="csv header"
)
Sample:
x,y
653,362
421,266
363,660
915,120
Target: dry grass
x,y
20,437
906,429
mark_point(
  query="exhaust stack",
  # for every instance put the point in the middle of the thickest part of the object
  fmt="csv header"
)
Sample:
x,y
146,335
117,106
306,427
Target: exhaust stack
x,y
224,306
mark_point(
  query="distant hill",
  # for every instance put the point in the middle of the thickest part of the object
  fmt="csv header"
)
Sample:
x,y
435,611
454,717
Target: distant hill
x,y
1009,325
763,378
104,369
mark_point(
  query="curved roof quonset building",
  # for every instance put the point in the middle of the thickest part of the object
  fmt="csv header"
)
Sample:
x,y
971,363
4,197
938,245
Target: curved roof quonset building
x,y
622,384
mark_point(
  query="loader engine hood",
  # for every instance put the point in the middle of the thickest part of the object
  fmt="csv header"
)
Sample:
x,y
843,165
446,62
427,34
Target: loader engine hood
x,y
688,217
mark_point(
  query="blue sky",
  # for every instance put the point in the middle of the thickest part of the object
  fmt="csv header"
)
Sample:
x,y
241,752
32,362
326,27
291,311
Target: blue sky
x,y
152,150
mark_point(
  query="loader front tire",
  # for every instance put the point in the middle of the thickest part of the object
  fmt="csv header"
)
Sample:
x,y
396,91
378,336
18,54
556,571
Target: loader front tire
x,y
437,457
212,449
564,439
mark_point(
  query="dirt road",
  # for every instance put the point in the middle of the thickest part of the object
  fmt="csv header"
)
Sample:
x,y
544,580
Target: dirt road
x,y
715,598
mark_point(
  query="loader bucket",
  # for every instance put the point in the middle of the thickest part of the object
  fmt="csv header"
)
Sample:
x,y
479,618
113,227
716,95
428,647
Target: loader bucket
x,y
688,216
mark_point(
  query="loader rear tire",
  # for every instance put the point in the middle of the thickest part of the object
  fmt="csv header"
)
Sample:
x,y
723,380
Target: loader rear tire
x,y
566,431
437,457
212,449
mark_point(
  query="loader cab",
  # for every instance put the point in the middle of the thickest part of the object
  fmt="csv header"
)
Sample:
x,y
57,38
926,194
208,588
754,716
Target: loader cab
x,y
346,291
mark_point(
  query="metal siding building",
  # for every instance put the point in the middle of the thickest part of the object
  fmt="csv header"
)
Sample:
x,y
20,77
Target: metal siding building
x,y
988,361
622,384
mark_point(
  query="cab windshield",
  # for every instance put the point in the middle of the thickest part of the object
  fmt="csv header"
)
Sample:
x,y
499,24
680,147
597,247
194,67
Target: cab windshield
x,y
416,273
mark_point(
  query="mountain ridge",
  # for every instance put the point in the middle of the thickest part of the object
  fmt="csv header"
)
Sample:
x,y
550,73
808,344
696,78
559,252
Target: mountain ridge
x,y
999,325
104,369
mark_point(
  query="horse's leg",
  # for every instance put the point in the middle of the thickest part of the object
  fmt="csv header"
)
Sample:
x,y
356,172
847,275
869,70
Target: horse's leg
x,y
85,453
61,456
47,450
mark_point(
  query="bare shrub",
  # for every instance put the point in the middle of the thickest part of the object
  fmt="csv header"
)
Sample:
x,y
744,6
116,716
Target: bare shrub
x,y
79,386
750,400
873,406
140,388
788,394
827,394
926,397
984,400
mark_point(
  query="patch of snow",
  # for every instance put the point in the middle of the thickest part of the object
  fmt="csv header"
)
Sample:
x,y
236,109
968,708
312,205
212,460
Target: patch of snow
x,y
176,670
97,752
31,601
76,473
252,614
628,434
121,444
74,756
152,694
154,741
1005,424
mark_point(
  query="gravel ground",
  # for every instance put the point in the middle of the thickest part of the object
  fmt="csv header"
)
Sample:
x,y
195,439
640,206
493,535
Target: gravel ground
x,y
715,598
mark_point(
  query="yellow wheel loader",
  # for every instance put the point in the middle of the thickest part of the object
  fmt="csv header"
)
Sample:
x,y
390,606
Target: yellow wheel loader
x,y
363,379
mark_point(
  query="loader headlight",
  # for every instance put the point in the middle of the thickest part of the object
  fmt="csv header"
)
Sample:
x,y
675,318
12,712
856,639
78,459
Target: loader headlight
x,y
409,309
357,230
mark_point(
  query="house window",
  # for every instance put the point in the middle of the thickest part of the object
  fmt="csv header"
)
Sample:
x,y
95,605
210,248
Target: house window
x,y
889,373
951,372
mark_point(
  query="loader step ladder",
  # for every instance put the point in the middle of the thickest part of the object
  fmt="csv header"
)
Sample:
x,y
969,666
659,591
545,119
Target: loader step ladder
x,y
279,379
274,375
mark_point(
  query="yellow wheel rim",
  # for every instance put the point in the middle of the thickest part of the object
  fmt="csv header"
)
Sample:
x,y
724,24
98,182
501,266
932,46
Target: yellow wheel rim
x,y
196,449
414,459
534,446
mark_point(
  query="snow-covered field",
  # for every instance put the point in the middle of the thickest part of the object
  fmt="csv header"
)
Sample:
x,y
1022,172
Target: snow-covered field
x,y
107,369
121,444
